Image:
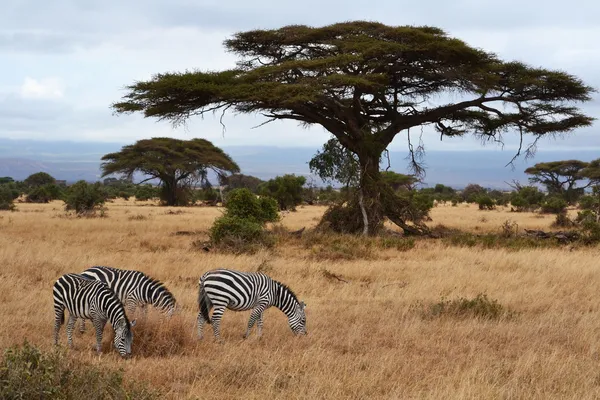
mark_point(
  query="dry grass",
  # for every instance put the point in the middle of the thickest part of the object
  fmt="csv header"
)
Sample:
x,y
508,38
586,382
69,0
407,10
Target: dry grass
x,y
365,339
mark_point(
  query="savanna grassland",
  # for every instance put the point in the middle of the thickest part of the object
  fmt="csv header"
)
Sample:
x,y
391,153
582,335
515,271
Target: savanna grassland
x,y
375,329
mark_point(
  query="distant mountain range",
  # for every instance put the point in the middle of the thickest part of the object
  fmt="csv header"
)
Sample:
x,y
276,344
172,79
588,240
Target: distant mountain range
x,y
72,161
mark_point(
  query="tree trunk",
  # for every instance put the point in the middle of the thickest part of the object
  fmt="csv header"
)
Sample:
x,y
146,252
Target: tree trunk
x,y
365,212
169,192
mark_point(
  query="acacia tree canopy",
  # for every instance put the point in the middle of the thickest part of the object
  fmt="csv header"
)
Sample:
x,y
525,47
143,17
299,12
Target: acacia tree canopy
x,y
173,161
559,177
366,82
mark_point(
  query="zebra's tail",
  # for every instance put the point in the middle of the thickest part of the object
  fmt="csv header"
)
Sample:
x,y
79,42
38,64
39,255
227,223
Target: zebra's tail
x,y
204,302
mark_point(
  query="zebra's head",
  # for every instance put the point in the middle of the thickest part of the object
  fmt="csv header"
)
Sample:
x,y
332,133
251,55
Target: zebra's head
x,y
298,319
124,338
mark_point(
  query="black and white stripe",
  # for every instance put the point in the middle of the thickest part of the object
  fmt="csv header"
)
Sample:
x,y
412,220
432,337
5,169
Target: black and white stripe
x,y
133,288
89,299
241,291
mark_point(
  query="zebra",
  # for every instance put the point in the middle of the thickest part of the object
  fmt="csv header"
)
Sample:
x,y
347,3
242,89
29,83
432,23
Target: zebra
x,y
90,299
133,288
241,291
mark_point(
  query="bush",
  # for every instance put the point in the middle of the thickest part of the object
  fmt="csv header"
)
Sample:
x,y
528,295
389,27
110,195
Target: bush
x,y
242,228
83,197
286,189
28,373
6,198
527,198
554,205
479,307
44,194
242,203
485,202
146,192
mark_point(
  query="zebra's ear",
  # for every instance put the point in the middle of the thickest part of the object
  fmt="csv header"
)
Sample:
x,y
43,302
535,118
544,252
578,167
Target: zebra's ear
x,y
133,323
303,305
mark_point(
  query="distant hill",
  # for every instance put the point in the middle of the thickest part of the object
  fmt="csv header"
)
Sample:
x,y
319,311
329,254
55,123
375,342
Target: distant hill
x,y
73,161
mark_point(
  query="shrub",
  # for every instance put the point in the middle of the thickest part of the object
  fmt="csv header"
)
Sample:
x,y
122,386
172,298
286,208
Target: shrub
x,y
485,202
6,198
146,192
242,203
286,189
554,205
242,228
44,193
83,197
28,373
479,307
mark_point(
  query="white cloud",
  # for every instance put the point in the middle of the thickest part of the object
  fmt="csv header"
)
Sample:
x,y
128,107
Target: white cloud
x,y
46,88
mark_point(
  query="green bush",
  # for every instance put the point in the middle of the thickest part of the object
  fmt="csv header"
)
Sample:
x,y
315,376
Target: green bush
x,y
83,197
485,202
6,198
146,192
28,373
286,189
242,203
554,205
44,193
242,227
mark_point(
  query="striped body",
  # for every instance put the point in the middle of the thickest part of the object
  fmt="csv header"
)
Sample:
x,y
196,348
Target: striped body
x,y
241,291
133,288
90,299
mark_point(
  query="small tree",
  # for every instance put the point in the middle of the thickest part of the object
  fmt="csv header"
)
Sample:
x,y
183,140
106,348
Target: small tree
x,y
471,192
146,192
527,198
560,178
84,198
6,179
242,226
286,189
239,181
39,179
178,164
399,181
6,198
485,202
44,193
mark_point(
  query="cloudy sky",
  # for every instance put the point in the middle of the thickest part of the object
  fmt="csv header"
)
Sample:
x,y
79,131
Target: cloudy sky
x,y
63,62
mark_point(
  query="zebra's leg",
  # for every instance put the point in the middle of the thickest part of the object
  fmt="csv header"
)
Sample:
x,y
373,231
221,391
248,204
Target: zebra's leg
x,y
99,324
218,311
59,315
82,326
70,326
256,315
259,325
201,322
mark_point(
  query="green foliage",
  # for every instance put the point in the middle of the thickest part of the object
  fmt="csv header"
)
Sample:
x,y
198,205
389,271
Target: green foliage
x,y
84,198
241,181
328,195
28,373
398,181
44,193
39,179
485,202
176,163
554,205
286,189
208,194
559,177
146,192
335,163
243,204
471,192
6,179
527,198
6,198
242,228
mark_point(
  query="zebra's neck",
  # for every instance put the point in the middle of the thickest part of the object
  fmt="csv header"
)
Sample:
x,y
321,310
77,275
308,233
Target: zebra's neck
x,y
284,299
153,293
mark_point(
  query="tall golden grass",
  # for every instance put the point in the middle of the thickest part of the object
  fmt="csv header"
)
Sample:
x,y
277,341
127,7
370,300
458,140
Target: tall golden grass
x,y
365,338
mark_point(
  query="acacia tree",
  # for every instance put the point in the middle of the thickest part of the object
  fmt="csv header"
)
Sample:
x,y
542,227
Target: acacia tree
x,y
366,82
560,178
176,163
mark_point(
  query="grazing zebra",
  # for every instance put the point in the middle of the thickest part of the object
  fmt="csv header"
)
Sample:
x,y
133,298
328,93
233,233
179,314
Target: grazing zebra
x,y
90,299
133,288
241,291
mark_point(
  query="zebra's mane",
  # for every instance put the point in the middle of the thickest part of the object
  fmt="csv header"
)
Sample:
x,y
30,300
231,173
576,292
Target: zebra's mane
x,y
160,285
290,291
